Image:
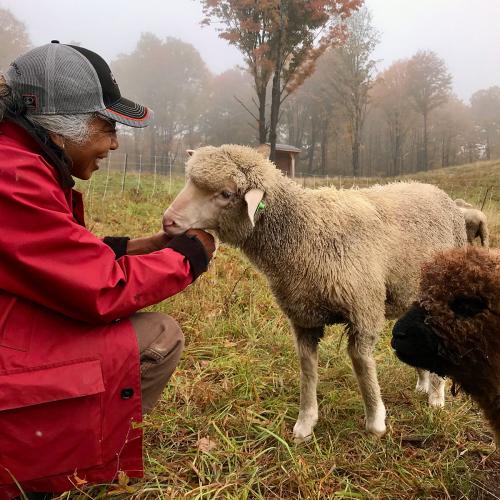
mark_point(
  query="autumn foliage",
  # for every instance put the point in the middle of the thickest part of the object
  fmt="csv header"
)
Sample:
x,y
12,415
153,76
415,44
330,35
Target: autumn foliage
x,y
281,39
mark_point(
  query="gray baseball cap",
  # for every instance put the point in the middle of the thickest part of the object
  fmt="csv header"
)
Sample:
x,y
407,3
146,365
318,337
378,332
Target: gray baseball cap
x,y
66,79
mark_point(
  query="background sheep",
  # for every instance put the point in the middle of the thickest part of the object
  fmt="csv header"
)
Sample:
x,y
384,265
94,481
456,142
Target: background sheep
x,y
454,329
330,256
476,224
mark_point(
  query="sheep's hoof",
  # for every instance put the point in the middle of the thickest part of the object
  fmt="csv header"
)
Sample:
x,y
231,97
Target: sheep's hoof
x,y
422,386
376,430
302,439
303,429
376,424
436,400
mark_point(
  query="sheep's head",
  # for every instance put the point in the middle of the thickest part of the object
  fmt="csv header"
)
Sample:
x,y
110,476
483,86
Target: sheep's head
x,y
454,329
462,203
224,188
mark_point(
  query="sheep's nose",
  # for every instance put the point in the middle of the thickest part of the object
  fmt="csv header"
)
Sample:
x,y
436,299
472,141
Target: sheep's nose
x,y
168,223
398,332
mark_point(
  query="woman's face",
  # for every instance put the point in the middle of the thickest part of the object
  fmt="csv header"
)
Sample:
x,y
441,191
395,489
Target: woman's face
x,y
87,156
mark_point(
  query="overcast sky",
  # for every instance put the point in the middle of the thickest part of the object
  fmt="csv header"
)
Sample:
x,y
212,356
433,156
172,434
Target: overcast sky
x,y
465,33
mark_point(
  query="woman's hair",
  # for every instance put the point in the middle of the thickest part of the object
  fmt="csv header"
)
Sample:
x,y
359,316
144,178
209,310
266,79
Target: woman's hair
x,y
75,128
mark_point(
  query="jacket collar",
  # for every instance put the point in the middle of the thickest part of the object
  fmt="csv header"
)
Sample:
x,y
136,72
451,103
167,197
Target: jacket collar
x,y
19,128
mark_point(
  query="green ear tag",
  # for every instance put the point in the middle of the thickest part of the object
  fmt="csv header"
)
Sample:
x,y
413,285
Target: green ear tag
x,y
261,206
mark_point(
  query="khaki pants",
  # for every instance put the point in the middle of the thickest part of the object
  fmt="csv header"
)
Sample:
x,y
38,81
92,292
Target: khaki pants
x,y
160,342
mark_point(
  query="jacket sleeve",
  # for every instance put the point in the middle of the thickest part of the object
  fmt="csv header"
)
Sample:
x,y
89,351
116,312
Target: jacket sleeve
x,y
50,259
118,244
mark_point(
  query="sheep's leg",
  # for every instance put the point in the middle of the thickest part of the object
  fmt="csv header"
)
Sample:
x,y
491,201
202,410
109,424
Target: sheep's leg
x,y
484,235
422,381
307,350
365,369
436,390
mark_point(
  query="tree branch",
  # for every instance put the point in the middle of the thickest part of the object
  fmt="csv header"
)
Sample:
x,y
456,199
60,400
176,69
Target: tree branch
x,y
246,108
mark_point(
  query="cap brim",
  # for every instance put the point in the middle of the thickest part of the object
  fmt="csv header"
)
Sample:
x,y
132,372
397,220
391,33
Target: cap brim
x,y
129,113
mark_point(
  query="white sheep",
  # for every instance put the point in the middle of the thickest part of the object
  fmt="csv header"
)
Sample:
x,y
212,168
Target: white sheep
x,y
330,256
476,224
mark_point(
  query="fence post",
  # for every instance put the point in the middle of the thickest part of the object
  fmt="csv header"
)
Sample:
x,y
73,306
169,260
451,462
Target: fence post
x,y
169,175
124,172
486,196
107,177
140,172
154,178
480,197
88,192
489,203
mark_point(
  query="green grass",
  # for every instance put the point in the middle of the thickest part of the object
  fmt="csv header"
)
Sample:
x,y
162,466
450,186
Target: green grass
x,y
223,427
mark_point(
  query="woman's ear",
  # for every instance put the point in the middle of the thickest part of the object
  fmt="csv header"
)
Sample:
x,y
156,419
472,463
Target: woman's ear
x,y
57,139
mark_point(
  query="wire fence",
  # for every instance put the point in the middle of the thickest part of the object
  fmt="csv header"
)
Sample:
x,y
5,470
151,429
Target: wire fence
x,y
123,173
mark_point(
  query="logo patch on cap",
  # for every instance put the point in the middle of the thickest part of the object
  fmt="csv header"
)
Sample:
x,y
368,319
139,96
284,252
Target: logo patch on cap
x,y
16,68
30,101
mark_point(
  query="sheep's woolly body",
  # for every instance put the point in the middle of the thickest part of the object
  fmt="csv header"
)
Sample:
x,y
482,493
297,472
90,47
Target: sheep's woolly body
x,y
346,252
330,256
320,248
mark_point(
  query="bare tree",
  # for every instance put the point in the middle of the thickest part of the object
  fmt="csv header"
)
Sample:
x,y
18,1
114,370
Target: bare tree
x,y
453,122
226,120
390,94
485,105
429,87
14,39
353,76
170,76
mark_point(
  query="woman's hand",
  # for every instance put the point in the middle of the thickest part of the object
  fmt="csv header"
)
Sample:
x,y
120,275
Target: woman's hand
x,y
206,239
140,246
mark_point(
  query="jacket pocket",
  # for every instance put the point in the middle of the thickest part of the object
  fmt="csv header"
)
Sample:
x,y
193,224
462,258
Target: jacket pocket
x,y
50,420
16,323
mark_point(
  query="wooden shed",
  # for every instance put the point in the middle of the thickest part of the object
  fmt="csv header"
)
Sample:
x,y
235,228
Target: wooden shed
x,y
285,157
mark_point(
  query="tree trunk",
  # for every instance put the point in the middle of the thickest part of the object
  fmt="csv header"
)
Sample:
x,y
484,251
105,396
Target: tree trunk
x,y
312,146
488,145
397,163
424,150
261,96
276,91
356,140
355,149
275,108
324,146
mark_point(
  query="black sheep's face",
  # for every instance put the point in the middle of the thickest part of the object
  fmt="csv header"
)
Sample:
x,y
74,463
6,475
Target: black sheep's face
x,y
416,343
447,340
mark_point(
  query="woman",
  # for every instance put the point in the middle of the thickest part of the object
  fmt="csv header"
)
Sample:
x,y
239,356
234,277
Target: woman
x,y
78,365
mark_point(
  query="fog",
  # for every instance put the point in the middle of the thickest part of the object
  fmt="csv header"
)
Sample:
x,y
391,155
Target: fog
x,y
463,33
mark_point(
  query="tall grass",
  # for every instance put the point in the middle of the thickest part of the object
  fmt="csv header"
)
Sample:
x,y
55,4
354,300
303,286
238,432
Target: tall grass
x,y
223,427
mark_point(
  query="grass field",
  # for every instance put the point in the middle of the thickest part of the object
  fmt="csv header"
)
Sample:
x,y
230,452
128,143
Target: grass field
x,y
223,428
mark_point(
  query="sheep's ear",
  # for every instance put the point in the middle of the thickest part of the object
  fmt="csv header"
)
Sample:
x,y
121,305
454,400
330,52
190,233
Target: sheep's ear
x,y
253,198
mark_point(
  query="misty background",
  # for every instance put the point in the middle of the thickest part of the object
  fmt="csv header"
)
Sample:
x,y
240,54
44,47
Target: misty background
x,y
202,93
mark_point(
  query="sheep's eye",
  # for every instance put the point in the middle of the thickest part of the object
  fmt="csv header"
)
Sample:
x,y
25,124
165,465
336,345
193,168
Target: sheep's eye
x,y
226,194
467,307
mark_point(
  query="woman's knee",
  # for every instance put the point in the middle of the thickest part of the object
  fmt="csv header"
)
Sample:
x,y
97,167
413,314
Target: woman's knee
x,y
158,334
161,342
170,338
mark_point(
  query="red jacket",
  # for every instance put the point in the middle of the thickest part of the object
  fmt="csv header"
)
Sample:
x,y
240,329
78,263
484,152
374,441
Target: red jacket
x,y
69,367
